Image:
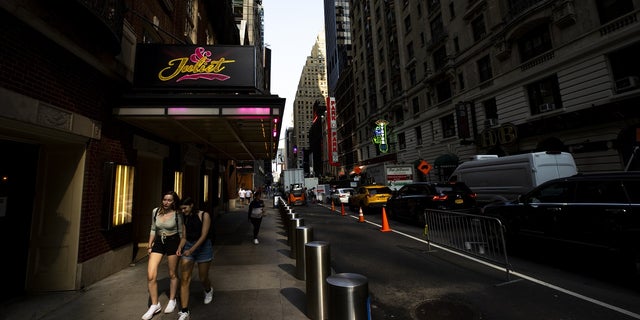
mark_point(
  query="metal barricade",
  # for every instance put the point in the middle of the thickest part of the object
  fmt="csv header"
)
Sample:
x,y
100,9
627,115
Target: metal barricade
x,y
479,236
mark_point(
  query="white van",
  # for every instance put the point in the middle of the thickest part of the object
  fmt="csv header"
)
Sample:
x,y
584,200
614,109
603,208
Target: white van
x,y
495,178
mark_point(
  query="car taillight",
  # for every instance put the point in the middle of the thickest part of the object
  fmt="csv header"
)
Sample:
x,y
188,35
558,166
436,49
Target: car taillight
x,y
473,195
441,197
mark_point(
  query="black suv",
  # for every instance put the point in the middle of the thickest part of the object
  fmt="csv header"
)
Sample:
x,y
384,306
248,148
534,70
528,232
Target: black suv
x,y
593,211
410,201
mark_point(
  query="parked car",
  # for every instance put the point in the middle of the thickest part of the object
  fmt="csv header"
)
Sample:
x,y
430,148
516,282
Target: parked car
x,y
410,201
598,212
341,196
369,197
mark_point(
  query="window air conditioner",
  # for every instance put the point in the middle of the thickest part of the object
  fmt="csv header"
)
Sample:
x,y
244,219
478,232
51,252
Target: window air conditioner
x,y
546,107
491,122
627,83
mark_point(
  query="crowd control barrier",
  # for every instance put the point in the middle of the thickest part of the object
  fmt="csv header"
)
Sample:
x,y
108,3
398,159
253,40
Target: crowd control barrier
x,y
479,236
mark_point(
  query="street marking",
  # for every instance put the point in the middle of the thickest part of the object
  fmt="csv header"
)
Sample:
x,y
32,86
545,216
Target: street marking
x,y
523,276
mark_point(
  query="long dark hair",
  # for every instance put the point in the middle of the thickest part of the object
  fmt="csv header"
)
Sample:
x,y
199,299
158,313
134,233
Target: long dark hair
x,y
174,205
189,201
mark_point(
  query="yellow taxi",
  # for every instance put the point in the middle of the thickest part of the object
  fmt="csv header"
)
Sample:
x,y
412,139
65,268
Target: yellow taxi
x,y
369,197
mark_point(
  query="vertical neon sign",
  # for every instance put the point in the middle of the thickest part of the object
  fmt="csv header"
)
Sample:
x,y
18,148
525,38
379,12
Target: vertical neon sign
x,y
332,131
380,135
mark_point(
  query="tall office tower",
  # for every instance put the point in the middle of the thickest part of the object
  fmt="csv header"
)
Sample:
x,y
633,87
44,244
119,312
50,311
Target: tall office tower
x,y
249,16
312,88
338,40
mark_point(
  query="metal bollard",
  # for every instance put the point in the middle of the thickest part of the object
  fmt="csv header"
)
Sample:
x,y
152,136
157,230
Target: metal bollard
x,y
304,234
348,296
294,223
287,224
317,267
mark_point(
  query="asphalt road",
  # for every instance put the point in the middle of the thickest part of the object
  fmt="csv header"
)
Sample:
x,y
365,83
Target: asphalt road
x,y
406,280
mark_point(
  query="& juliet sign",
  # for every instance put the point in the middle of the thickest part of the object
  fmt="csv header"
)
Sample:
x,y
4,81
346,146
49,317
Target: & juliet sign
x,y
167,66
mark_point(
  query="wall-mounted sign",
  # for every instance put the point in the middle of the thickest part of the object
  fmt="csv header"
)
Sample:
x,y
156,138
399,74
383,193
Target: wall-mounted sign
x,y
332,131
504,135
380,135
195,66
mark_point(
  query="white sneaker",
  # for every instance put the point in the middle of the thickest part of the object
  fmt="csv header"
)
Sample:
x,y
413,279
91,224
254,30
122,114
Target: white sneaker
x,y
170,306
255,241
153,309
184,315
208,296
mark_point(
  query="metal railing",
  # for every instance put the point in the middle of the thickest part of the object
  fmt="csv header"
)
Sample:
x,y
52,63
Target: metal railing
x,y
475,235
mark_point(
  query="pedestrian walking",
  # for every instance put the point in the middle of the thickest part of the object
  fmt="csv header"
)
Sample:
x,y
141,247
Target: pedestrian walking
x,y
247,195
241,194
256,213
196,247
164,239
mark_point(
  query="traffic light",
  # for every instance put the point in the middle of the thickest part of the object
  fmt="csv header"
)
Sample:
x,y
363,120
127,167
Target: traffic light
x,y
295,149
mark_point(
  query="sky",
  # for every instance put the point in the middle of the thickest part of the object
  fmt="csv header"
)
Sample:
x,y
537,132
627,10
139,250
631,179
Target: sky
x,y
290,31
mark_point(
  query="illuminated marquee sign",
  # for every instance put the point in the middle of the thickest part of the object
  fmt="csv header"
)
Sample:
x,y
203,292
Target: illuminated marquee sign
x,y
332,131
195,66
380,135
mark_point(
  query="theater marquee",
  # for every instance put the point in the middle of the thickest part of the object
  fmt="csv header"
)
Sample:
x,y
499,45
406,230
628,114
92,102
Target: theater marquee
x,y
189,66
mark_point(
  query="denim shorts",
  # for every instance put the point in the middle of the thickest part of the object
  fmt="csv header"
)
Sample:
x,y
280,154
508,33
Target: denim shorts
x,y
166,245
204,253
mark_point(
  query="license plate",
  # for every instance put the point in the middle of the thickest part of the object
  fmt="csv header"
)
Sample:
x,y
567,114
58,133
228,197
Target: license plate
x,y
459,201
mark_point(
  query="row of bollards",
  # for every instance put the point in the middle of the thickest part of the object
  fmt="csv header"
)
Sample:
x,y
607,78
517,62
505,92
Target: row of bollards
x,y
335,297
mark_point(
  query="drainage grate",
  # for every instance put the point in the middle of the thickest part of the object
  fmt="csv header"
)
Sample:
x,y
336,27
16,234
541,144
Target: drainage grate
x,y
443,310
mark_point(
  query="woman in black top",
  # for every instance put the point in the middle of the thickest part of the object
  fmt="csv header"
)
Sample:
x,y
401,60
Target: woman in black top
x,y
256,212
196,247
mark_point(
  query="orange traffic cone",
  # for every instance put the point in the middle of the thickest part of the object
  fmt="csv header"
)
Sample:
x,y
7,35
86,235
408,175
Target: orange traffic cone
x,y
342,213
333,206
385,223
360,216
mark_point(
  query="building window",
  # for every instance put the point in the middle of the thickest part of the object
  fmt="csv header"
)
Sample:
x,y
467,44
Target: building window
x,y
399,115
402,143
418,131
443,90
461,81
437,28
534,43
544,95
407,24
433,5
490,108
410,53
416,105
440,58
610,10
484,69
456,44
452,11
479,30
118,200
412,76
448,126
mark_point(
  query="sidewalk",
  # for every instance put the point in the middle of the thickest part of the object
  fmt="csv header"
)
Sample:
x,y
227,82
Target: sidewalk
x,y
249,282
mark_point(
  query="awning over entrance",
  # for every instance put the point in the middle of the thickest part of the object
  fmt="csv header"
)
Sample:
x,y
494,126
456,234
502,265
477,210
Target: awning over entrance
x,y
229,126
446,159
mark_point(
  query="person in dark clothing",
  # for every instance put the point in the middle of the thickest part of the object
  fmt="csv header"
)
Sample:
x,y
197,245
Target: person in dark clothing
x,y
256,212
196,247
